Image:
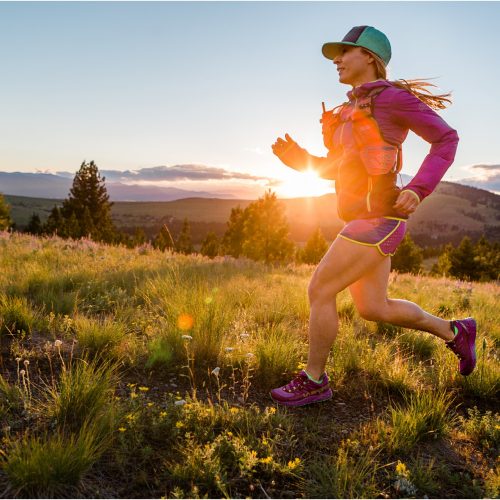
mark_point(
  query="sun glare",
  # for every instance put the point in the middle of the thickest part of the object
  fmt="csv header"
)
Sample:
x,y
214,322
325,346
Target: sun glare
x,y
302,184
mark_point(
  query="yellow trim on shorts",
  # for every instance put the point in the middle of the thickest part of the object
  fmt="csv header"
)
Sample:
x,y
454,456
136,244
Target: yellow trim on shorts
x,y
395,218
380,242
366,245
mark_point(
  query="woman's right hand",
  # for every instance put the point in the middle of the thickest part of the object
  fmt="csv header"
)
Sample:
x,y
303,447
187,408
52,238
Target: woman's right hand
x,y
290,153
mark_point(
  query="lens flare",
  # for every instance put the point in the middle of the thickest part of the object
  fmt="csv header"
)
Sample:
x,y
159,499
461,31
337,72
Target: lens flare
x,y
185,322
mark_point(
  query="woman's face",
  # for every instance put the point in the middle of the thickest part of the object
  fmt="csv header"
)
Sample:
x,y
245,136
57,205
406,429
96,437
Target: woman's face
x,y
354,65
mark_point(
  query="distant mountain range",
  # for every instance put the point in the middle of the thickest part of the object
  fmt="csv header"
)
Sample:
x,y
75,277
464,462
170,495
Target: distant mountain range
x,y
55,186
446,216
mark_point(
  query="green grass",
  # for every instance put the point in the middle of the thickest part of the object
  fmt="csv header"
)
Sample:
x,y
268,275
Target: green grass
x,y
422,416
51,465
111,335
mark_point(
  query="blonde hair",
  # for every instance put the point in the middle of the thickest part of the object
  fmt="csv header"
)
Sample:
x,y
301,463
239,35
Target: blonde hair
x,y
417,86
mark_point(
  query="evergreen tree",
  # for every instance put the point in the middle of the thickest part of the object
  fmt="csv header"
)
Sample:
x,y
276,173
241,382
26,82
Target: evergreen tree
x,y
463,262
34,225
314,249
184,243
5,220
139,237
55,222
232,241
164,240
408,257
210,245
89,192
266,231
443,265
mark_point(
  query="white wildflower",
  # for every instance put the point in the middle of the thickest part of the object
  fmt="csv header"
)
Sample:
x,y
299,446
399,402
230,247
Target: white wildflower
x,y
26,362
181,402
229,349
58,343
216,371
187,337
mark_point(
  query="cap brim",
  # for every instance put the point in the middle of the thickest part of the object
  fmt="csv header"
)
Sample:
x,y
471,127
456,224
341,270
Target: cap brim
x,y
332,49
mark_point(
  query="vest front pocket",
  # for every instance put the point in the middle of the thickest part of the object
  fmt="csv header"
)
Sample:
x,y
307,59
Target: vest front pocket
x,y
379,159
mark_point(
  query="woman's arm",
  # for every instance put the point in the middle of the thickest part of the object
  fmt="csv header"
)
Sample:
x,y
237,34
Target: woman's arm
x,y
412,113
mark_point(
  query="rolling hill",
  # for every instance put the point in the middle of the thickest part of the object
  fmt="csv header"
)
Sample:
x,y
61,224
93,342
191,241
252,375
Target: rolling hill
x,y
450,213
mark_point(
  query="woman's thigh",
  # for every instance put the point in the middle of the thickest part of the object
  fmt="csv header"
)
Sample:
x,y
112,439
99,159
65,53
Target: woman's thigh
x,y
344,263
369,293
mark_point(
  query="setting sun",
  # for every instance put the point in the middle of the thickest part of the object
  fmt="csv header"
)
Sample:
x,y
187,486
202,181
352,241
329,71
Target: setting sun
x,y
299,184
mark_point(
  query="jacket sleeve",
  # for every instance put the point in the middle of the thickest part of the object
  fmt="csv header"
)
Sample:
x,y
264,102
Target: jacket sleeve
x,y
411,113
326,167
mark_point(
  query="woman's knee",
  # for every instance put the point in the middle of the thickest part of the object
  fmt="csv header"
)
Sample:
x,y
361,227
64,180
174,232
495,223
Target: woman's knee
x,y
320,292
374,312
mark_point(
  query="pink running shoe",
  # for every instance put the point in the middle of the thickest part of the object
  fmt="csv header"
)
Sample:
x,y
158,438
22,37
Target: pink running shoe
x,y
302,391
464,344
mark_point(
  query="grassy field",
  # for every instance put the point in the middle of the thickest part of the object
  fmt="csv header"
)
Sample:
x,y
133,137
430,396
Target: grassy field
x,y
136,373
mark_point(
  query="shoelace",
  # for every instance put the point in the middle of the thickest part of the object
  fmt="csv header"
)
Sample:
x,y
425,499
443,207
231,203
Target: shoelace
x,y
296,383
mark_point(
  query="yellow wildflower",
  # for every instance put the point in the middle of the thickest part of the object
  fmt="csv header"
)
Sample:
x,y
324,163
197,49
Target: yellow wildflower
x,y
266,460
163,414
293,464
143,388
271,410
122,429
150,404
401,469
179,424
234,410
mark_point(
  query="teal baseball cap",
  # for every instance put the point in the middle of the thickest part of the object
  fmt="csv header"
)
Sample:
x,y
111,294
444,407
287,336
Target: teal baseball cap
x,y
361,36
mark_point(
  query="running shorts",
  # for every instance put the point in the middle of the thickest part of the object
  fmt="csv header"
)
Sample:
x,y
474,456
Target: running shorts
x,y
384,233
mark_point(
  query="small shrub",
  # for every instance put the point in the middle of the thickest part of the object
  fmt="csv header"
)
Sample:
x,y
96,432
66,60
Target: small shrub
x,y
82,393
348,474
482,428
10,397
424,415
16,315
99,337
52,465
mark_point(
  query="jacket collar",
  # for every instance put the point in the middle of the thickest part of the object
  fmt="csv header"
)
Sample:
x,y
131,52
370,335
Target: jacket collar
x,y
364,89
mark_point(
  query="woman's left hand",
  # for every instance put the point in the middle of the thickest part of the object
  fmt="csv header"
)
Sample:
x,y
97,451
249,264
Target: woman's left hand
x,y
407,202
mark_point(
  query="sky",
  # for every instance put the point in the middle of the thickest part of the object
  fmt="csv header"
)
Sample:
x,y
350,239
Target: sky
x,y
209,86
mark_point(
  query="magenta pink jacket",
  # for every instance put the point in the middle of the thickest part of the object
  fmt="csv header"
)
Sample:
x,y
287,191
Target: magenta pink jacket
x,y
397,111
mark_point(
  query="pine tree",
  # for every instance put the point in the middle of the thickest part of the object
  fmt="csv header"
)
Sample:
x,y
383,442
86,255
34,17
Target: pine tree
x,y
34,225
164,240
443,265
266,231
184,243
89,192
139,237
5,220
210,245
232,241
408,257
463,262
55,223
314,249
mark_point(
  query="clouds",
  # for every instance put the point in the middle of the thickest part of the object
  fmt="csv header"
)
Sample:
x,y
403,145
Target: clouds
x,y
177,173
484,176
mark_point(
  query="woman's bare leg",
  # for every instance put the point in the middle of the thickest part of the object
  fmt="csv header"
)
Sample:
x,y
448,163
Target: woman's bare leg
x,y
344,263
369,294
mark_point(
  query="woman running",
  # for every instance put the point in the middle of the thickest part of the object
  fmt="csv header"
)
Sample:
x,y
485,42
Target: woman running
x,y
364,137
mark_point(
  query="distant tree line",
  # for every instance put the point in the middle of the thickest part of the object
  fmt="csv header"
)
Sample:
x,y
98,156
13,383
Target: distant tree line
x,y
259,232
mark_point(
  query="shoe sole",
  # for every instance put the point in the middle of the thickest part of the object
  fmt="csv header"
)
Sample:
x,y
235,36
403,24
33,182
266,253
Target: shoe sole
x,y
306,401
473,335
